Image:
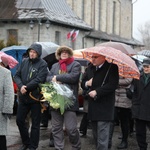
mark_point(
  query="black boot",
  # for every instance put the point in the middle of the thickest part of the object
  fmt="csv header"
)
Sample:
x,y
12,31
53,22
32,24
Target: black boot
x,y
123,145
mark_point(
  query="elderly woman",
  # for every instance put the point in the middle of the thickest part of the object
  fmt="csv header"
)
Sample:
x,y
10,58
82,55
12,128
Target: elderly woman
x,y
67,71
6,102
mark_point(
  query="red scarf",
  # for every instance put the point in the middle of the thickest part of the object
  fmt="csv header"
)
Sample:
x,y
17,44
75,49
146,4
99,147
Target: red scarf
x,y
63,64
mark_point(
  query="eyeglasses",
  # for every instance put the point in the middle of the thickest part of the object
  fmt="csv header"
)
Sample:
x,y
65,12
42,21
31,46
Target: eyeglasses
x,y
94,57
64,52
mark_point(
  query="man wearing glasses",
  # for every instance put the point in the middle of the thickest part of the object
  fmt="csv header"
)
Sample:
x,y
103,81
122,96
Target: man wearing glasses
x,y
141,105
101,81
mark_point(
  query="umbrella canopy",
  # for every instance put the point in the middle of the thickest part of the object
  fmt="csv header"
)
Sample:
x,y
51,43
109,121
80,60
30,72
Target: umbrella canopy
x,y
119,46
139,57
127,66
48,48
16,52
8,60
78,53
144,53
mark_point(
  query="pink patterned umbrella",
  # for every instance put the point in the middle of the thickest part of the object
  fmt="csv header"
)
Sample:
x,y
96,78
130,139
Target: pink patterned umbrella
x,y
126,65
120,46
8,60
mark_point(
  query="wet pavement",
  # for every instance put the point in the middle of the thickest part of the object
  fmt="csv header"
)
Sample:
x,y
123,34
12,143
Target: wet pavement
x,y
14,141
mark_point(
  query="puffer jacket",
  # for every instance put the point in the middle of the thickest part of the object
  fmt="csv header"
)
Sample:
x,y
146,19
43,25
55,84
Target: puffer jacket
x,y
120,94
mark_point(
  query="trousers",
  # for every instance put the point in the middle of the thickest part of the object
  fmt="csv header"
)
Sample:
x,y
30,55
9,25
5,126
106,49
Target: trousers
x,y
141,126
31,140
3,142
69,119
101,134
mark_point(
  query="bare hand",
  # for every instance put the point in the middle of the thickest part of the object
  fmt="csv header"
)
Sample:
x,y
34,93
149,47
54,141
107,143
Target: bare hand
x,y
23,89
54,79
89,82
92,93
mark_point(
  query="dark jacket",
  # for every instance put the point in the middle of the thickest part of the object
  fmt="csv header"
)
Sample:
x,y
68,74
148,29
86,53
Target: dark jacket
x,y
71,78
102,108
141,99
31,73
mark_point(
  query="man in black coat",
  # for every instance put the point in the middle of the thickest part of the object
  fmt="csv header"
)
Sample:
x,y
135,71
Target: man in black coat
x,y
32,72
101,82
141,104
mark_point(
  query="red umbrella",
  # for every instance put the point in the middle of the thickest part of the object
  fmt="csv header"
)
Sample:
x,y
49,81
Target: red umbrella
x,y
8,60
120,46
127,66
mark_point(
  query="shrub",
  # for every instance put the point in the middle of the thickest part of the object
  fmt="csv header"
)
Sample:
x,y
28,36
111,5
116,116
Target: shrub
x,y
12,41
2,45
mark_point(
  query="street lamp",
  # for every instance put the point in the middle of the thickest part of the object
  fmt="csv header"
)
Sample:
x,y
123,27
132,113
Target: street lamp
x,y
39,26
47,24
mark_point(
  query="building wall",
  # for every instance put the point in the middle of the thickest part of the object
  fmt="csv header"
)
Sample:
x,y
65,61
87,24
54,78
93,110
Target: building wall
x,y
27,36
97,13
103,15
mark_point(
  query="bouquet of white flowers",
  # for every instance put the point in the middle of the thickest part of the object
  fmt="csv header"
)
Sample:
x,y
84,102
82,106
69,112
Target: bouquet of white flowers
x,y
58,95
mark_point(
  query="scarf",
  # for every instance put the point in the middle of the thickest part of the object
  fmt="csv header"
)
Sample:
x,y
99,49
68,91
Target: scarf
x,y
63,64
146,77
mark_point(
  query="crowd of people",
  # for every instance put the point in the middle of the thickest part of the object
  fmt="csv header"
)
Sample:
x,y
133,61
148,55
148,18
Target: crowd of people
x,y
104,93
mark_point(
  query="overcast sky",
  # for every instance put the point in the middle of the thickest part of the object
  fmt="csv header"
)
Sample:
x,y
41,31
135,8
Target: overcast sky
x,y
141,15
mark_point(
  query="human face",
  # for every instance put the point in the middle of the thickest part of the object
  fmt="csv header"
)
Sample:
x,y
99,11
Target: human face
x,y
146,69
64,55
33,54
97,59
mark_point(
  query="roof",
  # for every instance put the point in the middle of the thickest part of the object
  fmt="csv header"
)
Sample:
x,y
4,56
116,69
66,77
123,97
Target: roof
x,y
112,37
54,10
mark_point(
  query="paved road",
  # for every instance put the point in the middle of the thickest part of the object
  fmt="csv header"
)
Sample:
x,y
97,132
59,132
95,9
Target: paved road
x,y
14,141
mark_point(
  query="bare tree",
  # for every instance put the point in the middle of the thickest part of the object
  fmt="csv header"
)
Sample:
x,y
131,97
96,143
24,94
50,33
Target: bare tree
x,y
145,34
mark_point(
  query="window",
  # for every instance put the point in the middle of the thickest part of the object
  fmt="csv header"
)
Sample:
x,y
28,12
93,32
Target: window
x,y
12,36
57,37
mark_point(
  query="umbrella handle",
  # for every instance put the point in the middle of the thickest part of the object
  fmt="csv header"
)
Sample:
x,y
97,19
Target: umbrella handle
x,y
106,75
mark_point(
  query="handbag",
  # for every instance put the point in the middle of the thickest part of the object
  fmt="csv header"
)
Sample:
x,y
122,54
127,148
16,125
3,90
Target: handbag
x,y
129,91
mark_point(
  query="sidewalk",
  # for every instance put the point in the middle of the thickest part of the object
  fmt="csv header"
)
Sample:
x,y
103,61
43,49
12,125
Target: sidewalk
x,y
14,141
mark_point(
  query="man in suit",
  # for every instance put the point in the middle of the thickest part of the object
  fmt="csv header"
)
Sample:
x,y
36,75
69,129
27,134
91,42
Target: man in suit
x,y
102,84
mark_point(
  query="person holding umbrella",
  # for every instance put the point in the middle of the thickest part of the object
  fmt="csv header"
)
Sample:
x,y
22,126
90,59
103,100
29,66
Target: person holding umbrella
x,y
101,96
103,86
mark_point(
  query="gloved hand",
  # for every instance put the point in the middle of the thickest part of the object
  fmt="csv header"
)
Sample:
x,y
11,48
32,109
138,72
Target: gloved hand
x,y
7,115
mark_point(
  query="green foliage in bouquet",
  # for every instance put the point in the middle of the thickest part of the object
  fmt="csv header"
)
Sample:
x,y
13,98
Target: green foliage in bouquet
x,y
55,100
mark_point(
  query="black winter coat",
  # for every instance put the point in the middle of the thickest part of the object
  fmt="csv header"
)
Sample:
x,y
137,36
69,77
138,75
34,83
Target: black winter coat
x,y
31,74
102,108
141,99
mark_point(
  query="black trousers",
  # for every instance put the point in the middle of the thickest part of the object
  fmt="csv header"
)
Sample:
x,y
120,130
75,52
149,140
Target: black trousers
x,y
3,142
35,109
84,124
124,117
141,126
45,116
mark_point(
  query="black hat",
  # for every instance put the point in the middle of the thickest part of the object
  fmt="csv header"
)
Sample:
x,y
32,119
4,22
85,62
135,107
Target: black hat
x,y
146,62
